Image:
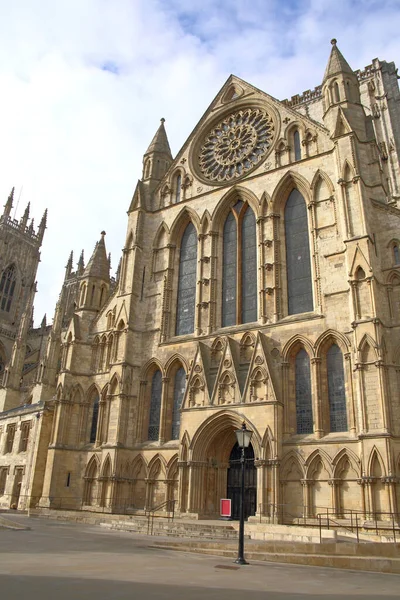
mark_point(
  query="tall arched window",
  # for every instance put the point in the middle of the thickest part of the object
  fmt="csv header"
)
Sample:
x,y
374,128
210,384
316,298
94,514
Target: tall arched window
x,y
95,419
396,254
155,407
239,276
336,389
336,92
179,391
178,188
299,286
304,415
297,146
187,282
7,287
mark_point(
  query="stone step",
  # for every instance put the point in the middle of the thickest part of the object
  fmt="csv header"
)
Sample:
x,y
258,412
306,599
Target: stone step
x,y
372,563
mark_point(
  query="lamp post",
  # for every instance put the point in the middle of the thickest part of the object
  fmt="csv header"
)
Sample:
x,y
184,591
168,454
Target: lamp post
x,y
243,436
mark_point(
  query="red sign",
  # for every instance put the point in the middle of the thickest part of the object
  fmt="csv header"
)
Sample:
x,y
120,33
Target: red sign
x,y
225,507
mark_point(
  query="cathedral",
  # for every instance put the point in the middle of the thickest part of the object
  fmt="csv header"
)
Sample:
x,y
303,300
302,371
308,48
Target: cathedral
x,y
259,283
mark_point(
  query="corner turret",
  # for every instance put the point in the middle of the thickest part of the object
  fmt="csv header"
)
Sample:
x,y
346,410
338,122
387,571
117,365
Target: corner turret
x,y
157,158
95,279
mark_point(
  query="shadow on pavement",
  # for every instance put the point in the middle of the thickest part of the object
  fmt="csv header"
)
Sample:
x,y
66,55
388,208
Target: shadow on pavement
x,y
63,588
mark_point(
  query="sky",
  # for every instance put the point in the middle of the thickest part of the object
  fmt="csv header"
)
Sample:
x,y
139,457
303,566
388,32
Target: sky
x,y
84,83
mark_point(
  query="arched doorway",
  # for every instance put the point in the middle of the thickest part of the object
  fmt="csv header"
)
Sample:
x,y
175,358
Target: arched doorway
x,y
234,482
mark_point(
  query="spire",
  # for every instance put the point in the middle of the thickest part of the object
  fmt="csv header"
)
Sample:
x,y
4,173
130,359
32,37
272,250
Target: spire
x,y
98,265
109,261
31,226
9,204
336,63
68,266
118,273
25,217
81,264
43,324
160,143
42,226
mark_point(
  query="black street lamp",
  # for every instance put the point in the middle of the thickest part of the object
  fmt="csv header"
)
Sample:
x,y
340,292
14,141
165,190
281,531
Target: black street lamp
x,y
243,438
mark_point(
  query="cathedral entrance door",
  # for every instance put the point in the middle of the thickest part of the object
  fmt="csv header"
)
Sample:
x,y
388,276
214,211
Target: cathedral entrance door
x,y
250,482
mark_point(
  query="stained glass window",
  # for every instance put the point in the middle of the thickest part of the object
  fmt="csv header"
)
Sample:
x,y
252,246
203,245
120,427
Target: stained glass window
x,y
178,187
155,407
297,255
187,282
239,273
229,277
336,389
179,391
304,416
95,418
7,288
297,147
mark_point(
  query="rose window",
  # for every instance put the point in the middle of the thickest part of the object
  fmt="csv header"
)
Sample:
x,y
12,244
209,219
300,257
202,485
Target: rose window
x,y
236,145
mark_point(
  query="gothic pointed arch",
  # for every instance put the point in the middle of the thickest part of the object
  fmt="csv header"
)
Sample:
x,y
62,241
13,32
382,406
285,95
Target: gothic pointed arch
x,y
289,182
329,337
367,342
157,467
319,176
138,466
185,216
161,238
236,193
295,343
93,467
150,366
172,467
184,447
343,455
114,385
292,461
106,468
205,222
316,457
174,363
268,444
221,426
376,464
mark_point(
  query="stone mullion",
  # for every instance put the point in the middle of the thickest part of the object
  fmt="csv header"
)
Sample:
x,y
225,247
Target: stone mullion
x,y
306,497
318,398
162,436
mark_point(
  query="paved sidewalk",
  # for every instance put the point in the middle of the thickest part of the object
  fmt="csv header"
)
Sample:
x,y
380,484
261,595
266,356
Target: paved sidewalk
x,y
78,562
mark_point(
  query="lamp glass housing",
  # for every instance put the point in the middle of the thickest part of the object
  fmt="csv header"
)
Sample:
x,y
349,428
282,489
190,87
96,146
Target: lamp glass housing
x,y
243,437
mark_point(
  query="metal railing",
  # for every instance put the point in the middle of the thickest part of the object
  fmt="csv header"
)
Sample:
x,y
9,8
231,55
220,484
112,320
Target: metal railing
x,y
168,507
380,522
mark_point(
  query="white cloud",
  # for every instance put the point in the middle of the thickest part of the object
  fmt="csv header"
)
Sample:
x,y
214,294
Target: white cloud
x,y
73,133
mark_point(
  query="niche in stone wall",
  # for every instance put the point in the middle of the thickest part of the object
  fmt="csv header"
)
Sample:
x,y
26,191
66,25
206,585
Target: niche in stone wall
x,y
320,489
324,209
371,389
364,308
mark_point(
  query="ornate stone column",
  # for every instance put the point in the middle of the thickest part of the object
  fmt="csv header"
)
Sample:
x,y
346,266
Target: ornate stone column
x,y
316,392
261,508
306,497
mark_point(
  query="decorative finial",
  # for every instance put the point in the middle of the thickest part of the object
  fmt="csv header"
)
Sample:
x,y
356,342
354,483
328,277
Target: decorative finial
x,y
333,42
162,120
103,233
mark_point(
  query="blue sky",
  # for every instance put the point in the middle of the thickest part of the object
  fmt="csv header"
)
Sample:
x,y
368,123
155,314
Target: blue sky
x,y
85,82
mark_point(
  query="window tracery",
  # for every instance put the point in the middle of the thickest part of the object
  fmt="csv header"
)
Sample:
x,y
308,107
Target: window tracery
x,y
236,145
155,407
7,287
179,392
336,389
298,265
304,414
296,145
239,276
187,282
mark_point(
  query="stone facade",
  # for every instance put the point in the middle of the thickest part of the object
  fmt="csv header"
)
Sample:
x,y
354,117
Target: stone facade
x,y
259,282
